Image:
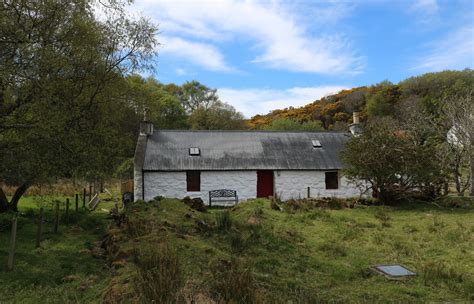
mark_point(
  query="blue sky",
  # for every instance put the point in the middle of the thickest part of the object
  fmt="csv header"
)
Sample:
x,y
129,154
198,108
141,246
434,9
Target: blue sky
x,y
265,55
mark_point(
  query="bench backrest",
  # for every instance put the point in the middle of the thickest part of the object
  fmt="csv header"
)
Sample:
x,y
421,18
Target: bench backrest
x,y
222,193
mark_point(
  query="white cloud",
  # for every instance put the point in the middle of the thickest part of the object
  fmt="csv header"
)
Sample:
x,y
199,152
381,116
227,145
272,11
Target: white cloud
x,y
201,54
455,51
278,33
260,101
427,6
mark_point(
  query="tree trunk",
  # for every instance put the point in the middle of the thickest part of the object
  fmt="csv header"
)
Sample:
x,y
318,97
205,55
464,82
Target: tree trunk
x,y
18,194
3,201
6,205
472,173
457,179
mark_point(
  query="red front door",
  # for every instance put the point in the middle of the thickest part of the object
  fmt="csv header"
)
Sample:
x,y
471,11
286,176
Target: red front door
x,y
264,183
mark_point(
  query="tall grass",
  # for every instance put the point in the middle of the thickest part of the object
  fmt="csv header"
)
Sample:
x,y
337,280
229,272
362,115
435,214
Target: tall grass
x,y
232,282
158,278
223,221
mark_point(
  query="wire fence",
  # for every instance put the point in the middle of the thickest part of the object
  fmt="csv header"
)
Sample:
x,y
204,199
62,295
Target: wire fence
x,y
48,218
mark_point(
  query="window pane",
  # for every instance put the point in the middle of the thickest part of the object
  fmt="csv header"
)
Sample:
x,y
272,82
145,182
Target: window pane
x,y
193,181
332,181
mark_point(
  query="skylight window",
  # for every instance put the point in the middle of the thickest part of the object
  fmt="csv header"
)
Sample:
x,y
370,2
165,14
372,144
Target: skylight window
x,y
316,143
194,152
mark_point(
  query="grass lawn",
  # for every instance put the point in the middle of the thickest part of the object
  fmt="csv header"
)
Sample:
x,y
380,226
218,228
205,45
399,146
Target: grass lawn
x,y
319,255
250,253
63,270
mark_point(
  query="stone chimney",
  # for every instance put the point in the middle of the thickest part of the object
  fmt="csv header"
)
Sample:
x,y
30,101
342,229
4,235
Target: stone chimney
x,y
355,128
355,117
146,128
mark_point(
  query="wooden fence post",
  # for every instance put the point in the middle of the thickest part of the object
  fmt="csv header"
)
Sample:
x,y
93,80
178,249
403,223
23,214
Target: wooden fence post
x,y
77,202
67,211
90,192
11,255
56,217
84,199
309,192
40,228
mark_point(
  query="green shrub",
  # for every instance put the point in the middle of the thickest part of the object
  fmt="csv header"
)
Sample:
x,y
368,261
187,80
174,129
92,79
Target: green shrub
x,y
158,198
158,278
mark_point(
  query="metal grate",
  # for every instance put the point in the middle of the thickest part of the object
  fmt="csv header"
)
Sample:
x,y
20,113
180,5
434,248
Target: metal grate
x,y
394,271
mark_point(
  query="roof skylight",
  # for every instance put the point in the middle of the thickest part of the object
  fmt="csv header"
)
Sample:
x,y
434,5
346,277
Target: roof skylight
x,y
194,151
316,143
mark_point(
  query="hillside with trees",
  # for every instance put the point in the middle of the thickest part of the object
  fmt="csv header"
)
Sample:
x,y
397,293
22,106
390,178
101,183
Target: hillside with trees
x,y
429,91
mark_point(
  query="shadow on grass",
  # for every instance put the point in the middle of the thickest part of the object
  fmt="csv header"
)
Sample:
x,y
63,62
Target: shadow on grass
x,y
449,204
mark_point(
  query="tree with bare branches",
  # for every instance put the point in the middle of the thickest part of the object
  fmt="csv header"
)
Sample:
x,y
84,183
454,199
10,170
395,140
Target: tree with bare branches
x,y
459,113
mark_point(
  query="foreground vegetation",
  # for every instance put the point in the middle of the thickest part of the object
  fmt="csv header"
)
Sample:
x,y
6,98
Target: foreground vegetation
x,y
255,253
67,268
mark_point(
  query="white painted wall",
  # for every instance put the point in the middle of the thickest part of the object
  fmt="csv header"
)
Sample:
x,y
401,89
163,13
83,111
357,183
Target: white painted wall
x,y
288,184
173,184
137,184
294,184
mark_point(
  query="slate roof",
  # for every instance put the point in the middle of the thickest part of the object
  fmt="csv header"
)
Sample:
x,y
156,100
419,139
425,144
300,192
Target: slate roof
x,y
242,150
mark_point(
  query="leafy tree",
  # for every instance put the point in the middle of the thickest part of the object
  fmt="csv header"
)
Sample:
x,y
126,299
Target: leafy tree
x,y
219,116
392,163
287,124
382,99
194,95
151,97
434,88
62,71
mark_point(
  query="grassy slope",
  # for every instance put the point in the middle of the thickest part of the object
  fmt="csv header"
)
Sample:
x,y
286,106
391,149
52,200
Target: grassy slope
x,y
63,269
317,255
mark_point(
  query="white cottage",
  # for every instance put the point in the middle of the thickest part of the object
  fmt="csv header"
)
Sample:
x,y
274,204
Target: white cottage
x,y
253,163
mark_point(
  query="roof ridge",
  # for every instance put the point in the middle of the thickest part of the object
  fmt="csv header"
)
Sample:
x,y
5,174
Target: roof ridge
x,y
249,131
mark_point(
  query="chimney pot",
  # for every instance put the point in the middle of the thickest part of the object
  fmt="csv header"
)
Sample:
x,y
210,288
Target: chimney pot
x,y
146,128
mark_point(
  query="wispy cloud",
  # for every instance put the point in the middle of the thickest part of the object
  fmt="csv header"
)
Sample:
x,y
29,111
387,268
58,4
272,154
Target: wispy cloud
x,y
426,11
201,54
260,101
278,34
427,6
455,51
181,72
